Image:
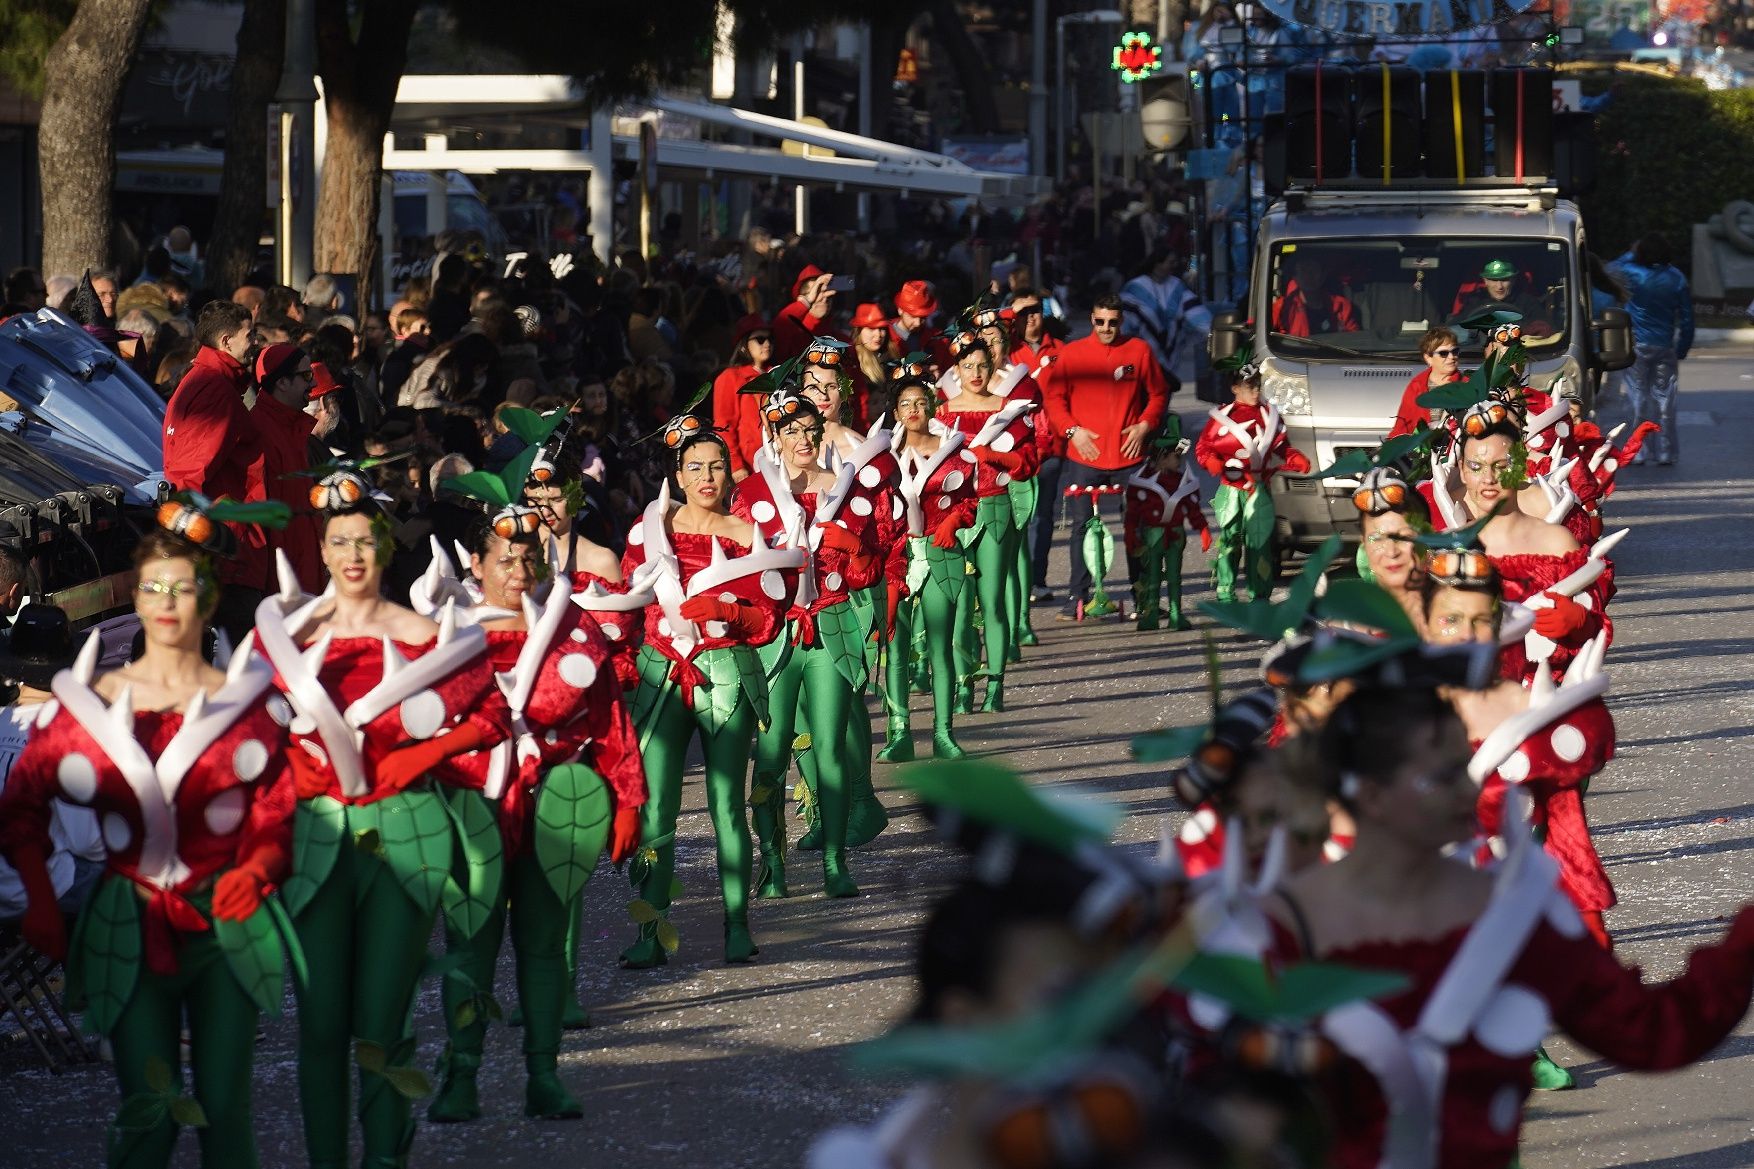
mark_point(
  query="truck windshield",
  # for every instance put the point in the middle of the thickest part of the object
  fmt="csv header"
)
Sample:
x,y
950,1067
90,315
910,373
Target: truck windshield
x,y
1347,298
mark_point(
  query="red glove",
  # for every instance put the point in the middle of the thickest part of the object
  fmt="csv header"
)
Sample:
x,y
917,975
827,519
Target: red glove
x,y
835,536
43,926
703,609
624,833
1565,618
238,892
1205,539
309,778
1008,461
892,602
944,535
404,765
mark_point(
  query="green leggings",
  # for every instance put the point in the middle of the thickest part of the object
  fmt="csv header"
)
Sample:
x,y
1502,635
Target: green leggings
x,y
540,926
222,1052
995,563
666,735
364,942
810,689
935,610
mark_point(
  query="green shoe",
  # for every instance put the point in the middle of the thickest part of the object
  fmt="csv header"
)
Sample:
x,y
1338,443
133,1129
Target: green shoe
x,y
811,841
739,945
868,817
1549,1076
898,744
770,878
945,746
574,1016
1145,624
1027,638
1013,656
836,881
1177,622
545,1097
647,952
995,701
965,696
457,1100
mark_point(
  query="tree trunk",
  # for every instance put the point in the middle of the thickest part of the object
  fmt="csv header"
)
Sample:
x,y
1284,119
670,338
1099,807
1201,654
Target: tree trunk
x,y
972,73
76,143
231,253
359,91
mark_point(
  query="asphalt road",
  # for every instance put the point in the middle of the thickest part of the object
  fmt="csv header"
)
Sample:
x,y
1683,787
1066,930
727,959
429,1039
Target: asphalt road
x,y
700,1064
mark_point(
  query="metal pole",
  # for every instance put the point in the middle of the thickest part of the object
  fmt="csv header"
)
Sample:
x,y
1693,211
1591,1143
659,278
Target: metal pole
x,y
800,197
1038,89
1060,99
600,187
297,97
866,97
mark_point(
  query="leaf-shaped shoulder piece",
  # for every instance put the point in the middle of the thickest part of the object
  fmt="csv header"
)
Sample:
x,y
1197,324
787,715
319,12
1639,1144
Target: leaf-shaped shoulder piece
x,y
531,427
1354,463
1290,994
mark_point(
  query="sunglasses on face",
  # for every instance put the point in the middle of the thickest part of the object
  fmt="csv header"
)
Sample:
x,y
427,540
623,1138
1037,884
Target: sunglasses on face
x,y
1105,322
1445,352
761,339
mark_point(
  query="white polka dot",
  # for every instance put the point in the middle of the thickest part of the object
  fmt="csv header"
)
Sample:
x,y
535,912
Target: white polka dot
x,y
47,714
423,714
302,724
664,627
1539,441
611,630
860,505
279,709
897,508
1513,1023
249,760
1002,478
551,738
943,503
1562,429
78,778
1568,742
1139,495
717,629
773,585
580,635
763,511
728,598
833,581
1507,1104
870,476
578,670
225,811
1516,768
637,536
968,457
117,834
954,480
1004,442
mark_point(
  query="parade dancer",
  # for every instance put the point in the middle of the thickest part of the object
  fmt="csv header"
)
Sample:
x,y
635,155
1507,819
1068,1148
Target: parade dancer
x,y
720,594
566,783
383,696
1244,444
1392,516
928,575
1001,448
816,672
1491,960
186,768
1163,504
1013,381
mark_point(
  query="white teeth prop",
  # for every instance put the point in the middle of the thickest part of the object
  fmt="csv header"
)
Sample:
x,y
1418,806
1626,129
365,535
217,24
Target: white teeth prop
x,y
85,665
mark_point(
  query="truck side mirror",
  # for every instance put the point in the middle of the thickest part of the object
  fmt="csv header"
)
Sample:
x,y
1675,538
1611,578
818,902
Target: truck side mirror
x,y
1613,339
1227,333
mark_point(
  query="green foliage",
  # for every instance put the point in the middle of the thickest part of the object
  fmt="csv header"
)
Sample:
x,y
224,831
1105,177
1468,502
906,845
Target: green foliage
x,y
1671,153
28,30
409,1083
573,809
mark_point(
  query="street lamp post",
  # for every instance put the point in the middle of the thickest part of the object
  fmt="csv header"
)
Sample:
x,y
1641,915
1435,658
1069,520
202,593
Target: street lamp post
x,y
296,101
1099,16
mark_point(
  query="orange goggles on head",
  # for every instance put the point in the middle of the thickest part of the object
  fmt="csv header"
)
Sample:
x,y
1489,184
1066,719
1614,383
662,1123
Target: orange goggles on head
x,y
339,490
780,407
511,522
1379,494
186,521
679,430
903,370
988,318
1483,417
1457,565
965,343
1505,334
826,358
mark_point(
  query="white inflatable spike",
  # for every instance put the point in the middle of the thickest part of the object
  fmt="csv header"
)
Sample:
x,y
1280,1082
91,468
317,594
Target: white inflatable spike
x,y
441,561
553,552
393,662
462,552
1615,433
318,650
531,614
290,591
1542,688
1231,876
1600,549
85,665
595,587
1600,457
236,661
121,711
197,706
664,495
1272,864
718,556
505,680
447,626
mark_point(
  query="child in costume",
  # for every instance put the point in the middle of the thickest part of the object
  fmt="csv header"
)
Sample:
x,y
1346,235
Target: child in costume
x,y
928,572
1244,444
1163,503
383,697
721,592
817,671
186,768
566,783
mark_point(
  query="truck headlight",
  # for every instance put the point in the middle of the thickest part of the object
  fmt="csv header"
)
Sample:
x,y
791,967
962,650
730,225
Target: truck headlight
x,y
1289,392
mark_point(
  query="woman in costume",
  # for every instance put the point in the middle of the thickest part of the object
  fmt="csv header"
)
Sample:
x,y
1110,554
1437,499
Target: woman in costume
x,y
1491,959
817,671
186,768
1000,449
928,572
1162,506
1012,380
736,415
1244,444
1392,515
383,697
720,593
566,783
555,489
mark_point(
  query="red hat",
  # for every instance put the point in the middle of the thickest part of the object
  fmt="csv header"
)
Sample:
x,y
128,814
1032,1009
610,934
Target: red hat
x,y
749,326
275,362
322,381
916,299
869,316
810,272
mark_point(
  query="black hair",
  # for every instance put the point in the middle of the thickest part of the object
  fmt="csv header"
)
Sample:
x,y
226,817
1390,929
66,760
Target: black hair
x,y
704,434
1374,731
1109,301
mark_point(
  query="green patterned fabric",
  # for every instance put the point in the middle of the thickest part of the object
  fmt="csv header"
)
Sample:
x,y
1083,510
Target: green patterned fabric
x,y
573,809
317,827
841,631
104,961
1244,541
993,511
256,952
1025,495
1160,569
729,672
478,864
411,833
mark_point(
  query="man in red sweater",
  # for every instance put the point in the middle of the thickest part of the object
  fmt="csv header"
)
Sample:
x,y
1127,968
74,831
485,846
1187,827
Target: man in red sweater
x,y
283,430
209,446
1104,395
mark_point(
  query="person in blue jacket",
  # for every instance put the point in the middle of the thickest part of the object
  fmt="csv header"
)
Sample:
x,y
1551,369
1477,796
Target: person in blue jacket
x,y
1661,306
